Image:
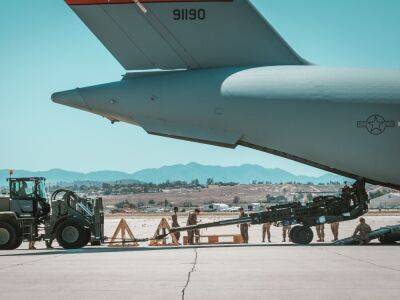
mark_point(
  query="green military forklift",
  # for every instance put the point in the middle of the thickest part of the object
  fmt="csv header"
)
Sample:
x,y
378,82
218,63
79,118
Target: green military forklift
x,y
27,214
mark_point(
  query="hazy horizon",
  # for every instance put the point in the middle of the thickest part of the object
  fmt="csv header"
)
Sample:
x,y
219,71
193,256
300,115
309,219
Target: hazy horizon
x,y
162,166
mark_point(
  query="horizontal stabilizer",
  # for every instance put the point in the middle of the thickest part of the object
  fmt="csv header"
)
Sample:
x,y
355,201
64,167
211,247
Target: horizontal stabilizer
x,y
184,34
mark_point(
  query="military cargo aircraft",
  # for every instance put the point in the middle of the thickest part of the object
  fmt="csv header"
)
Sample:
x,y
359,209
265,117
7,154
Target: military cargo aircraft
x,y
216,72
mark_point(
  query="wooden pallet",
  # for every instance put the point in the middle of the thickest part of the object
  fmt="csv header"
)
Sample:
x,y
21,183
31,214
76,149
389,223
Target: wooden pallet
x,y
217,239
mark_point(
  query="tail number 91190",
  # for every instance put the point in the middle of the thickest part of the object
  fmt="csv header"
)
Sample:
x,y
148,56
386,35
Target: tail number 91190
x,y
189,14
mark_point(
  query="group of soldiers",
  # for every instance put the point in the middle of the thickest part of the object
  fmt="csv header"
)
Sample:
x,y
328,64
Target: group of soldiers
x,y
193,235
361,232
321,232
266,229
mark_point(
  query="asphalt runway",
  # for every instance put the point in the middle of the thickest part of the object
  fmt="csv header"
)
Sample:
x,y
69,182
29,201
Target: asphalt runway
x,y
254,271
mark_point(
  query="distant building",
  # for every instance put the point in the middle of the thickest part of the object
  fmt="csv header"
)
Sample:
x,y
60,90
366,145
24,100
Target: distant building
x,y
388,201
216,207
213,186
251,206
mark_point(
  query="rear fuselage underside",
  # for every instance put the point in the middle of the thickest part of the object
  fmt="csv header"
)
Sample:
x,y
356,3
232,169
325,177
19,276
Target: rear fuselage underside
x,y
342,120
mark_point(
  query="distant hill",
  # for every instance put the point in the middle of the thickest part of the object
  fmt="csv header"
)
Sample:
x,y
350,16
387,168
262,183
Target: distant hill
x,y
241,174
59,175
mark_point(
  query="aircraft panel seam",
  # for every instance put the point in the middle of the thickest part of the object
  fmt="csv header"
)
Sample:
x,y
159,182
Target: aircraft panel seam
x,y
169,43
128,37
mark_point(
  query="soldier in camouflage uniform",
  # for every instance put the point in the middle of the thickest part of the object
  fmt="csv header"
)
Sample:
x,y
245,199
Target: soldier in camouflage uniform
x,y
266,230
175,223
361,232
335,231
192,220
286,232
320,233
244,228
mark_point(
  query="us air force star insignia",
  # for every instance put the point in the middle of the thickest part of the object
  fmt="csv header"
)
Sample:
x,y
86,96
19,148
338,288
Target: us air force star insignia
x,y
376,124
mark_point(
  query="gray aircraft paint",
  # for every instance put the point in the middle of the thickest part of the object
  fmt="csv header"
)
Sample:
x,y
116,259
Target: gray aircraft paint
x,y
232,34
342,120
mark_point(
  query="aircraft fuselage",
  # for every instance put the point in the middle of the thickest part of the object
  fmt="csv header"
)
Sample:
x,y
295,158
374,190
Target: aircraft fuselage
x,y
342,120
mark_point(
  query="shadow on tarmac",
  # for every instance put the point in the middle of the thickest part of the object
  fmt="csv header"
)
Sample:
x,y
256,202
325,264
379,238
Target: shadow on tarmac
x,y
102,249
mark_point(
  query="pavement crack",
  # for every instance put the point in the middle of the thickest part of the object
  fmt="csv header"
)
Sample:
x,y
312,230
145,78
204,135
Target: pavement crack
x,y
190,274
363,261
28,262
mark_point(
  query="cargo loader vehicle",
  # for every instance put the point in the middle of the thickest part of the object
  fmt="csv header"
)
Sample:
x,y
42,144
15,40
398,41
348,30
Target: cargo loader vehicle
x,y
27,214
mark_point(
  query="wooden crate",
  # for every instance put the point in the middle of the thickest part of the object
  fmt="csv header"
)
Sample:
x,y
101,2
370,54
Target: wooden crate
x,y
216,239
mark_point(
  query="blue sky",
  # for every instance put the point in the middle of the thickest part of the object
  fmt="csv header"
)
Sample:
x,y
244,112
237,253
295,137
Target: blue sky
x,y
46,48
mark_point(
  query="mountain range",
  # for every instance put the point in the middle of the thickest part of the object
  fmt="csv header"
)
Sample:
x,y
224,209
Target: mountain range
x,y
246,173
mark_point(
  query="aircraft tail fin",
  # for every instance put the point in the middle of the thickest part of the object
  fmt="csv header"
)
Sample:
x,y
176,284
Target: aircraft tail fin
x,y
185,34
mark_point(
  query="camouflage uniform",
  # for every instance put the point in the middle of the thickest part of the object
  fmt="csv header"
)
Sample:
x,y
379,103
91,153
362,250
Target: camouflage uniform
x,y
335,230
244,229
175,224
192,220
266,231
363,229
320,232
285,232
346,196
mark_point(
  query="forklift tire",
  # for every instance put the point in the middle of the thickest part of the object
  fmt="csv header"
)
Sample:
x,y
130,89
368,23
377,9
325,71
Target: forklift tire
x,y
70,234
19,242
302,235
10,238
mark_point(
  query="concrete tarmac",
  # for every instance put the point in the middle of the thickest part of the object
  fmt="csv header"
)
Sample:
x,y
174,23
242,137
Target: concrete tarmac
x,y
254,271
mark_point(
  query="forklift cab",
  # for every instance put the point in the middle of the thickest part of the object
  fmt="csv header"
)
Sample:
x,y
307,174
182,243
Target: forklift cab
x,y
28,197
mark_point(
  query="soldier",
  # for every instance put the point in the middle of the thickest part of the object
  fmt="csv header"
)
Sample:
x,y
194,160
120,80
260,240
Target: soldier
x,y
33,237
49,244
335,231
22,190
363,229
192,220
359,192
175,223
346,195
266,230
285,232
31,245
244,228
320,233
